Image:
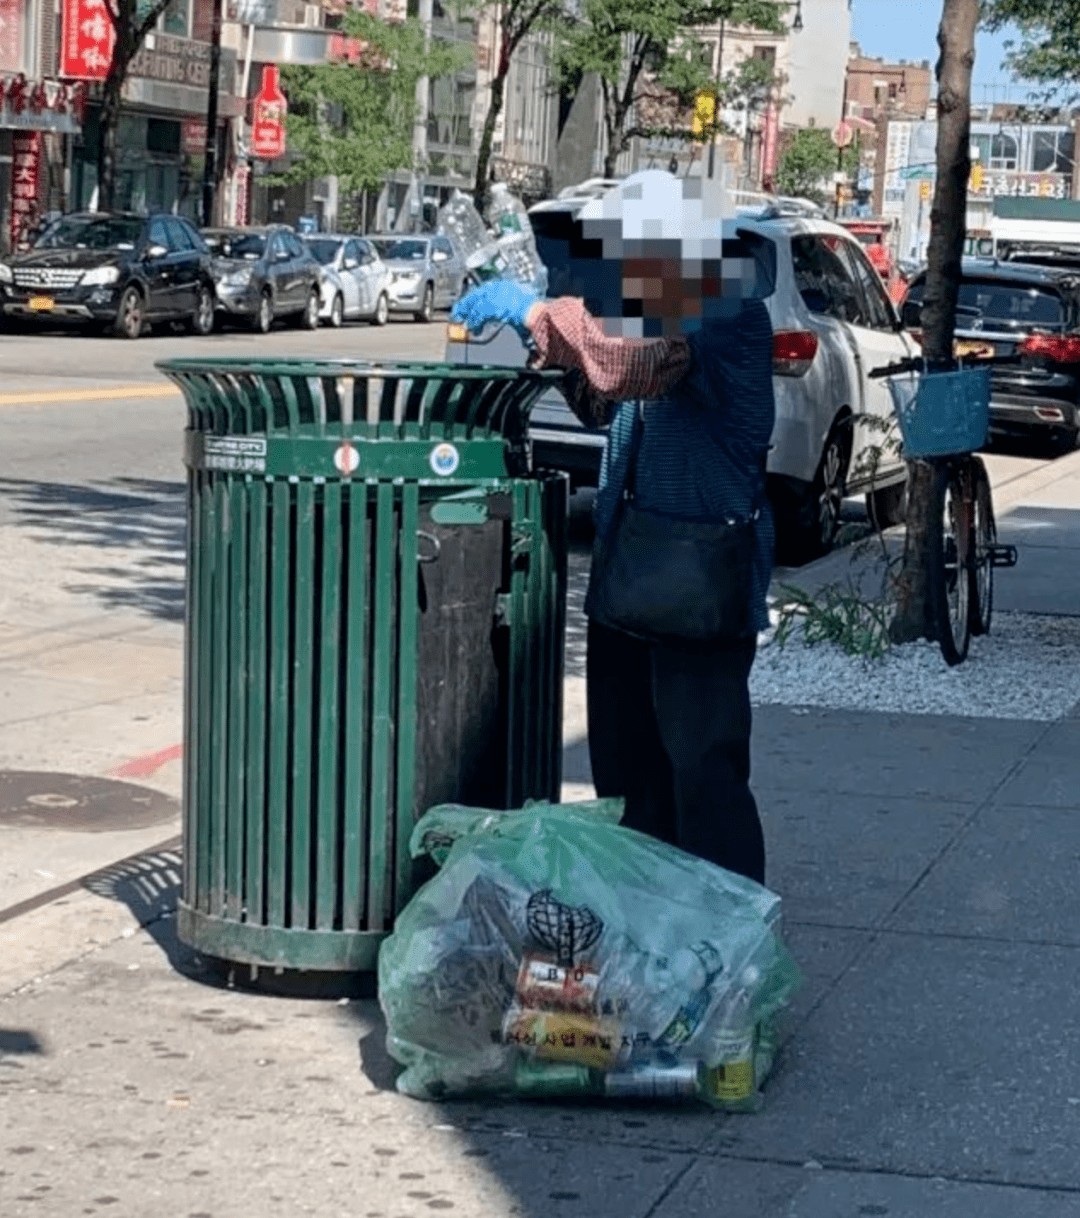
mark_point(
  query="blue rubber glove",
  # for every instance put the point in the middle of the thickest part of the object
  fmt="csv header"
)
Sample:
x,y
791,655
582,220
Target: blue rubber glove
x,y
497,300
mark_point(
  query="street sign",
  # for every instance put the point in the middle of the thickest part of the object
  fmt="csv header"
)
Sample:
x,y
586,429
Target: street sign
x,y
268,119
915,172
842,134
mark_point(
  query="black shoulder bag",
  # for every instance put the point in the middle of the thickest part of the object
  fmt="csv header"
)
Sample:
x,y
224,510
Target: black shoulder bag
x,y
667,580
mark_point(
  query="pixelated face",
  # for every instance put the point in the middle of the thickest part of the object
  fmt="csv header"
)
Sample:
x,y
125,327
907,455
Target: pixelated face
x,y
676,261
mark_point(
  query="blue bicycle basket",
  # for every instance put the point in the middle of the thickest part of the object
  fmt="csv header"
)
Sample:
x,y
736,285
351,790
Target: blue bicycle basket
x,y
942,413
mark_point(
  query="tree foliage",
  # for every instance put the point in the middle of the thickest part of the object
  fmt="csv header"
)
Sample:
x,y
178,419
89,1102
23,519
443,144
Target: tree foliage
x,y
1048,49
651,65
354,118
808,160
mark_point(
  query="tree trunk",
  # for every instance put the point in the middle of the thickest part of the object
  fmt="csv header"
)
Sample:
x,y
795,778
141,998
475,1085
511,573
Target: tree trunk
x,y
108,124
956,38
487,136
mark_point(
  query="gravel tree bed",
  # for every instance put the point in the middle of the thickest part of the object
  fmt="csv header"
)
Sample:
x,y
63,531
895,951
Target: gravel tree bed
x,y
1028,667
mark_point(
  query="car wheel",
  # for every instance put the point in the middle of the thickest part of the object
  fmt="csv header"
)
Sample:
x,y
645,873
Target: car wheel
x,y
887,506
806,527
427,305
337,311
264,314
309,318
1060,441
382,311
130,314
202,320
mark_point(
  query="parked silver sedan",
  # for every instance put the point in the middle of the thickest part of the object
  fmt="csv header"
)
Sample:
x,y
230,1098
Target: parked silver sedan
x,y
356,282
425,273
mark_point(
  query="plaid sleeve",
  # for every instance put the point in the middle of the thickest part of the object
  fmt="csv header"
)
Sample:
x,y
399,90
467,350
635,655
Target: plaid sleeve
x,y
567,336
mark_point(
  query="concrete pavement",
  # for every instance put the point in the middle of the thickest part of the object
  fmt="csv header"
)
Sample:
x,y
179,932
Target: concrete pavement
x,y
927,863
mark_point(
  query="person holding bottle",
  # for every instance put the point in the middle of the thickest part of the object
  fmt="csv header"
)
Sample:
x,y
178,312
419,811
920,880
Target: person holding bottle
x,y
682,375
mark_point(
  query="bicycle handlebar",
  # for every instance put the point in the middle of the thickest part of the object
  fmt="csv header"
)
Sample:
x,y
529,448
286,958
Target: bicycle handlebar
x,y
919,365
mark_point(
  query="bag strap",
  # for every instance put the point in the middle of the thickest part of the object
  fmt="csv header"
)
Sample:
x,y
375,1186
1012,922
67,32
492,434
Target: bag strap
x,y
637,428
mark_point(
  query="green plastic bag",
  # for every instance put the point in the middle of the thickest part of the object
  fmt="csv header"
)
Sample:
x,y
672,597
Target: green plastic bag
x,y
557,953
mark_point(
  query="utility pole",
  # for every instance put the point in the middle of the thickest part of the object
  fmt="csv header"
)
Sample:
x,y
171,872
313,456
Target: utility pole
x,y
716,102
210,151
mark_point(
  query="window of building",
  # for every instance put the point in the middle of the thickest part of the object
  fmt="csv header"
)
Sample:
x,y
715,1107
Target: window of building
x,y
176,19
1052,152
1003,151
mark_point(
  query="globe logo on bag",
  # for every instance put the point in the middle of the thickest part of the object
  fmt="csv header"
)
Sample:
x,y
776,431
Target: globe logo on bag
x,y
444,460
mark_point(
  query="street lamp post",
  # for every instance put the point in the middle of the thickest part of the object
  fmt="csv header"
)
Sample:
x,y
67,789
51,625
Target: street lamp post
x,y
796,25
210,147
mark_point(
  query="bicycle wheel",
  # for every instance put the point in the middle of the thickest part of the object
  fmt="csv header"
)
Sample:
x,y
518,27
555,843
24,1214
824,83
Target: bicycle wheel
x,y
949,576
983,540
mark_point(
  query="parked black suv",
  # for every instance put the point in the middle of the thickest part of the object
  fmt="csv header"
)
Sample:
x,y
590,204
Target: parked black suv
x,y
1013,308
119,270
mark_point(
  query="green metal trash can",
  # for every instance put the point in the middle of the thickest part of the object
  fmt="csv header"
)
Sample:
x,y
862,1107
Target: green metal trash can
x,y
376,591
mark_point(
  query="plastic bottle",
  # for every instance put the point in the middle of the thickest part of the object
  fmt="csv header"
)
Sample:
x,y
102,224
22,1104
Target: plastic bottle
x,y
732,1043
507,216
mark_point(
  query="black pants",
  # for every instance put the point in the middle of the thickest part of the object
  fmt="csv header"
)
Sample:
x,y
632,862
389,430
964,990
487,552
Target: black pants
x,y
669,731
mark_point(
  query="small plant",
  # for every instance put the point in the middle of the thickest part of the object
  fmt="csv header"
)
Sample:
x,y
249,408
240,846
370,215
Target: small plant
x,y
839,614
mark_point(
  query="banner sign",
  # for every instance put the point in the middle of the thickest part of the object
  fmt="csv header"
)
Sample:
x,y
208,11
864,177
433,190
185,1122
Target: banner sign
x,y
11,35
25,167
268,118
86,45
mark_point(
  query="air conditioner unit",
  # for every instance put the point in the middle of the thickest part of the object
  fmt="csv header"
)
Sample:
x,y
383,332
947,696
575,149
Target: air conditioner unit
x,y
313,16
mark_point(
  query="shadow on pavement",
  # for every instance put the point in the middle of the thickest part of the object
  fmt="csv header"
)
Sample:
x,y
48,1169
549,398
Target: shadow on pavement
x,y
134,526
18,1041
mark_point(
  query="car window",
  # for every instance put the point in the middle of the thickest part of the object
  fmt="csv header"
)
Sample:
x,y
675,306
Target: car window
x,y
178,235
292,244
875,303
276,246
159,234
990,304
92,233
324,249
445,247
353,252
367,253
823,281
406,250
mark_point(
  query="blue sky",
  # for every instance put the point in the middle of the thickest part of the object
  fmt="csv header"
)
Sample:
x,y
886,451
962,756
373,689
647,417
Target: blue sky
x,y
907,29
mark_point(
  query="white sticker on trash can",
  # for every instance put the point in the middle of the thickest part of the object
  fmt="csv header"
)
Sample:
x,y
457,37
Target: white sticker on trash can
x,y
234,454
444,459
346,458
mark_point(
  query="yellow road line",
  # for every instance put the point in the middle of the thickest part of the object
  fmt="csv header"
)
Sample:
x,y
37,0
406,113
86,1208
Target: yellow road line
x,y
152,389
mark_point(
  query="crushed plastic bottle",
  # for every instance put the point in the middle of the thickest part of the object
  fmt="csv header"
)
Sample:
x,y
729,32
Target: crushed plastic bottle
x,y
507,216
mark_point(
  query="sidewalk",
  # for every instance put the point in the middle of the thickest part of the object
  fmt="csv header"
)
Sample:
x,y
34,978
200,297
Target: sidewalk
x,y
929,1070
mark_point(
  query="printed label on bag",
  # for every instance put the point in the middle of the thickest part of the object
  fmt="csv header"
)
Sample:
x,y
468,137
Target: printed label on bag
x,y
545,985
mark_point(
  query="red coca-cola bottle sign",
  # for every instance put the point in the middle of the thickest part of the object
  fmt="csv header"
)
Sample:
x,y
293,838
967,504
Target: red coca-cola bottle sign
x,y
268,119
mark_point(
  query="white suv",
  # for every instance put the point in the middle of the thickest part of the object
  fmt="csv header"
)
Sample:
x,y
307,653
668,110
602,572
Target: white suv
x,y
833,323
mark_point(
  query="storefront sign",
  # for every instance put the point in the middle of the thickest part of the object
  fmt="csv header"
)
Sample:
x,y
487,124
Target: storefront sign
x,y
192,137
993,182
268,118
25,166
770,144
87,39
182,61
11,35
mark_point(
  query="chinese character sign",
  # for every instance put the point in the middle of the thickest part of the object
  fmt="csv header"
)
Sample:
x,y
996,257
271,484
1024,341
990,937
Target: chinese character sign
x,y
268,119
88,37
11,35
25,165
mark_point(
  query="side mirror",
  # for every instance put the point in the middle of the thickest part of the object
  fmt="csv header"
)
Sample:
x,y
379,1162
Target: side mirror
x,y
815,300
440,256
910,314
155,251
350,264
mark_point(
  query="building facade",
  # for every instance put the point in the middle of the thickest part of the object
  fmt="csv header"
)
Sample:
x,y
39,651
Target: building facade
x,y
40,114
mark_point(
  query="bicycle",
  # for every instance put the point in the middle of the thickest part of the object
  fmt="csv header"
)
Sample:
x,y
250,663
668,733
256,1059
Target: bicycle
x,y
964,551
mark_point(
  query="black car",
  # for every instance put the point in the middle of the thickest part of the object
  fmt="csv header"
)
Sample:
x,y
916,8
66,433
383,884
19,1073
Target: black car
x,y
117,270
1028,311
263,273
